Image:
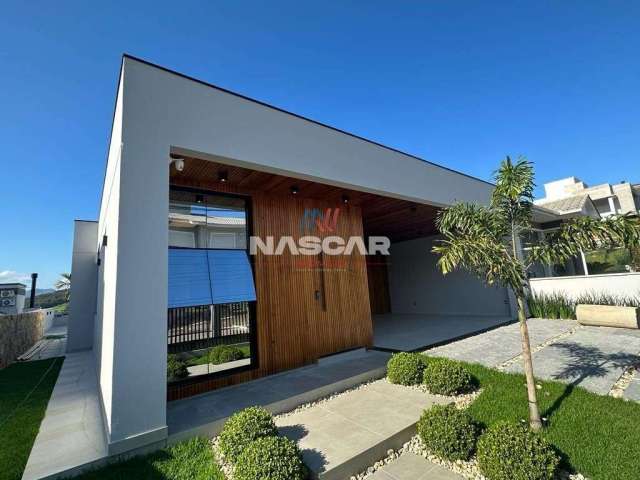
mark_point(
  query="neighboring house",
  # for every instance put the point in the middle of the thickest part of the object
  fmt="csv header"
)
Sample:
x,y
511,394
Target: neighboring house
x,y
193,173
12,298
571,195
615,272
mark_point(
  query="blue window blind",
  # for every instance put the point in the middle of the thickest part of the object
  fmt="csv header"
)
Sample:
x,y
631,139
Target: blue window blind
x,y
231,278
204,277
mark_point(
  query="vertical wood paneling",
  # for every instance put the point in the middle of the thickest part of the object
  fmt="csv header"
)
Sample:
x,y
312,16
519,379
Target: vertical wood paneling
x,y
293,329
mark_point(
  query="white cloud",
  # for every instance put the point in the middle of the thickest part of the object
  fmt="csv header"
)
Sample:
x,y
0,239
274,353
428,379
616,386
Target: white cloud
x,y
10,276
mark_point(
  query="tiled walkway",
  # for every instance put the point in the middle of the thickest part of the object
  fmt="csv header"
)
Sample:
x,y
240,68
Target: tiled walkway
x,y
413,467
71,432
345,435
205,414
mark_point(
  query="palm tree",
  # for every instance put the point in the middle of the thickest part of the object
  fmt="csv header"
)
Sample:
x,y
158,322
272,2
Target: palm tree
x,y
484,240
64,284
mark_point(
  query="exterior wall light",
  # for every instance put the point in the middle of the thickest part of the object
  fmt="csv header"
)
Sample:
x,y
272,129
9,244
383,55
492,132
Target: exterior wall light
x,y
294,189
345,199
199,198
223,176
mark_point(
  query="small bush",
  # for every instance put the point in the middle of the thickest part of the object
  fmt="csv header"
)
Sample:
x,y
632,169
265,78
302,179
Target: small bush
x,y
176,368
224,354
272,458
244,427
406,368
448,432
509,451
444,377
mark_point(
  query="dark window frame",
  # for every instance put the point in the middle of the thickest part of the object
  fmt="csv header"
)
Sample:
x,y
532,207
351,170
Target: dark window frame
x,y
253,324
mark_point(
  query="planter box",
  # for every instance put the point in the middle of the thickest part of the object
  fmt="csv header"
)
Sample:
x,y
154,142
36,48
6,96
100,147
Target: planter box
x,y
607,316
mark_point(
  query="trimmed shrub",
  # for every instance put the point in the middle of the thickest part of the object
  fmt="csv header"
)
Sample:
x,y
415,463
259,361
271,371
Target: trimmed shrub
x,y
448,432
444,377
270,458
508,451
224,354
406,368
176,368
244,427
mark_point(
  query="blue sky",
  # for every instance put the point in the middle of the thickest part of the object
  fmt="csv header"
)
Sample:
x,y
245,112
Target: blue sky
x,y
460,83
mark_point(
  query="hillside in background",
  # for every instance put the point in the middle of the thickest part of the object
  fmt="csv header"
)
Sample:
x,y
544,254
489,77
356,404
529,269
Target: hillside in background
x,y
48,300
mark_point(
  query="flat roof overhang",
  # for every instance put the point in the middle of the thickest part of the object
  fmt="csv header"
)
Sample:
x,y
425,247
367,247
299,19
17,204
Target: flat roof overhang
x,y
192,118
381,216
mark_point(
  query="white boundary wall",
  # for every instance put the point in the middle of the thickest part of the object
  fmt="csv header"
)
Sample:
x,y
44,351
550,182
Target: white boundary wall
x,y
617,284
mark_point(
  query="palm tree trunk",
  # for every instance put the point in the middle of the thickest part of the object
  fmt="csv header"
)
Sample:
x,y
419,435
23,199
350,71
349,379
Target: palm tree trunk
x,y
534,415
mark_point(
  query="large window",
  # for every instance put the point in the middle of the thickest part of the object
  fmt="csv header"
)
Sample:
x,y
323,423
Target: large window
x,y
207,221
211,315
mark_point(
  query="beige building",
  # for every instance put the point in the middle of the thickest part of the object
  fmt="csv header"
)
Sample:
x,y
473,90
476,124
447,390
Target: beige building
x,y
571,196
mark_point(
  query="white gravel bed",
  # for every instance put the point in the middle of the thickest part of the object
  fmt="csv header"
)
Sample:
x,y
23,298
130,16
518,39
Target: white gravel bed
x,y
618,388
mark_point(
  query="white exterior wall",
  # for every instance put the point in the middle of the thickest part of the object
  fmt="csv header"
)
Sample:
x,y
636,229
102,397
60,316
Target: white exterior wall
x,y
617,284
156,113
82,303
416,285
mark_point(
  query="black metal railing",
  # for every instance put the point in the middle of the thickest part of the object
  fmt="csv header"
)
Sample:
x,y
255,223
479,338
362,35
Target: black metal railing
x,y
205,326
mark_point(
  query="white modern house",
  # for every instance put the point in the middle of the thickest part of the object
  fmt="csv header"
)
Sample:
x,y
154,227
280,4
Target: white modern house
x,y
12,298
615,272
193,173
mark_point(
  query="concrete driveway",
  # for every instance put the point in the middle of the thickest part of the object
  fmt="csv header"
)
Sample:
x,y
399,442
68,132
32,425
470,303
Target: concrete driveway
x,y
591,357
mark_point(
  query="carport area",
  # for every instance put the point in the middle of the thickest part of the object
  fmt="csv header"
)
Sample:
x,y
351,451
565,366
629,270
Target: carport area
x,y
414,306
413,332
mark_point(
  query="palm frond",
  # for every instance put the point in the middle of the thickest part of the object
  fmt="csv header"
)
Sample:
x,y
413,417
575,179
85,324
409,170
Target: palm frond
x,y
586,234
513,195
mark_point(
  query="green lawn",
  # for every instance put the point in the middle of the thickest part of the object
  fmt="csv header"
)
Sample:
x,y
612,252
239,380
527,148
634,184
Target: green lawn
x,y
598,436
192,460
25,389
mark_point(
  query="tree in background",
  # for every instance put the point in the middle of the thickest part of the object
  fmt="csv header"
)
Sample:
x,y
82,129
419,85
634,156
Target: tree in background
x,y
484,240
64,284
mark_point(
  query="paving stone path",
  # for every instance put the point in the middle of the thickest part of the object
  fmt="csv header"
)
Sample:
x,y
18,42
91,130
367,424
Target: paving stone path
x,y
497,346
591,357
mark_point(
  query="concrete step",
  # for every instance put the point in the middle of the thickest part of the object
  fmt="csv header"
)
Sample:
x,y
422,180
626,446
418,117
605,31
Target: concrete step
x,y
204,415
345,435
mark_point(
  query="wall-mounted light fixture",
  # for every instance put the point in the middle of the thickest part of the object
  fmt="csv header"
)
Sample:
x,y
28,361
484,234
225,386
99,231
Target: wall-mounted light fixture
x,y
178,162
199,198
223,176
294,190
345,199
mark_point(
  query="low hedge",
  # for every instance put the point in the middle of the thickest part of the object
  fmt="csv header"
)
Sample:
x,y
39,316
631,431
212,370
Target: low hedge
x,y
445,377
508,451
244,427
448,432
270,458
225,353
406,368
176,368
